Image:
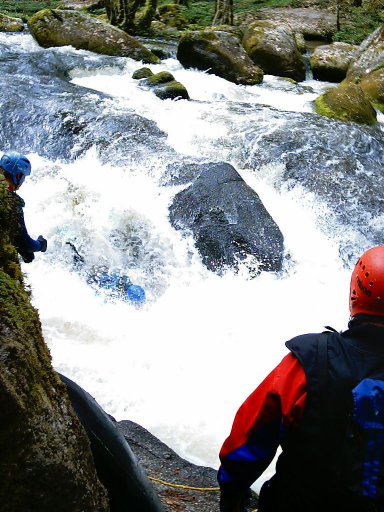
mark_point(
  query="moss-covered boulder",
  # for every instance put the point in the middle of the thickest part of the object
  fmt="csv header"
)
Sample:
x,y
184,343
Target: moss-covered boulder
x,y
219,53
346,102
46,463
172,16
273,48
369,56
330,62
53,27
165,86
142,73
373,87
8,24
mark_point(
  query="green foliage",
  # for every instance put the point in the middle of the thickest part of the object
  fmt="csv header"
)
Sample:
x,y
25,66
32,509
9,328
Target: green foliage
x,y
358,23
25,8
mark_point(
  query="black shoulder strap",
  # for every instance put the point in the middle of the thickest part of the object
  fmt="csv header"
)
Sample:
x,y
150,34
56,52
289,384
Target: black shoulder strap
x,y
322,358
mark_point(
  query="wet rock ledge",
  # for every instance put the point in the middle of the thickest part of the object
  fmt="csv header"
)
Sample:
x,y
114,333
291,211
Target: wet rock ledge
x,y
182,479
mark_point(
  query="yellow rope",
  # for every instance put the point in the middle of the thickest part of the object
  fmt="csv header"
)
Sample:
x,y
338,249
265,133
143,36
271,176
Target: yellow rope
x,y
178,486
189,488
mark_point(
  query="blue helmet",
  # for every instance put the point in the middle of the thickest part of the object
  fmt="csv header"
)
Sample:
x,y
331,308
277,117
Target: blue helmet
x,y
136,294
16,166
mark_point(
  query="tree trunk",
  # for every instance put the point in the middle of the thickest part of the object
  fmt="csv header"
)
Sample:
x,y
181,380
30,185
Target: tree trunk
x,y
148,14
122,13
223,13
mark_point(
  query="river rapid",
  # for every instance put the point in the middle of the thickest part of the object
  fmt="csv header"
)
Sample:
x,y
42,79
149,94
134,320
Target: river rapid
x,y
102,150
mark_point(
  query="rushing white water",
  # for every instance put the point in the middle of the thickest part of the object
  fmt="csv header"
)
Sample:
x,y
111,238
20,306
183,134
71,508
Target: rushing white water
x,y
181,365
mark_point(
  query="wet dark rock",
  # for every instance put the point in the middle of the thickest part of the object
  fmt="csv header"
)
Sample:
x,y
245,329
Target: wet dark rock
x,y
228,221
162,463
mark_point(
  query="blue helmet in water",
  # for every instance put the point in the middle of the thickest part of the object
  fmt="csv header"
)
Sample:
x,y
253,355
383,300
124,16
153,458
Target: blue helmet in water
x,y
136,294
16,166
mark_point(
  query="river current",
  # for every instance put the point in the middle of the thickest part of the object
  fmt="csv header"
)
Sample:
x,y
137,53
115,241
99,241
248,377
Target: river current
x,y
182,364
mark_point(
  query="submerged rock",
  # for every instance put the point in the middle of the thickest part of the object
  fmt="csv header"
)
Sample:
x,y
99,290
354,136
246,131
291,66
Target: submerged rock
x,y
228,221
54,27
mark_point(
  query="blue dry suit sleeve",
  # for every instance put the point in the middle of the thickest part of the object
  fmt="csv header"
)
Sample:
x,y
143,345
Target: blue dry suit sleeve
x,y
24,244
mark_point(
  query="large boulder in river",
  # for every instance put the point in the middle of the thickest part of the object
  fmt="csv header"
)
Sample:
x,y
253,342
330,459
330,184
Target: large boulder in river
x,y
46,462
273,48
228,221
346,102
219,53
330,62
369,57
54,27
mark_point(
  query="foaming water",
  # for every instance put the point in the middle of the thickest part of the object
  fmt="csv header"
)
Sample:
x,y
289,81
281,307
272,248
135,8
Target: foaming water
x,y
182,364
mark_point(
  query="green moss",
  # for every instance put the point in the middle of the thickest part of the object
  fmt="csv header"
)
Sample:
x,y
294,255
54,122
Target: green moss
x,y
346,102
25,8
160,78
142,73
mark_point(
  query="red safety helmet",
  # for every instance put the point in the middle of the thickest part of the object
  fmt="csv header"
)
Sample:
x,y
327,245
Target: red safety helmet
x,y
367,284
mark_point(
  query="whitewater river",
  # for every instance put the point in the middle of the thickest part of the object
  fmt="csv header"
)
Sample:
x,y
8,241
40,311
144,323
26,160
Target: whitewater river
x,y
181,365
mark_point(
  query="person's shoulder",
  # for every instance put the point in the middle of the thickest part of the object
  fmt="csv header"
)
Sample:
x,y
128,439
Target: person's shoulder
x,y
19,200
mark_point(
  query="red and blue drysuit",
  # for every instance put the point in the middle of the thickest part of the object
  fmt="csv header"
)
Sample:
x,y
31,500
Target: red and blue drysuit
x,y
264,419
303,406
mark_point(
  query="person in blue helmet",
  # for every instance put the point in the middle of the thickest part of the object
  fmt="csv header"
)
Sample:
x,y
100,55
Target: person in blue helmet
x,y
15,167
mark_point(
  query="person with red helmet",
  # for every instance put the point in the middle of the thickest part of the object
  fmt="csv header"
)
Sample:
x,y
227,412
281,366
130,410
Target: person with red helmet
x,y
324,406
14,167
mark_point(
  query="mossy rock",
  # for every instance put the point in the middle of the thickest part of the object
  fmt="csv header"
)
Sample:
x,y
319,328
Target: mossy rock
x,y
160,78
8,24
373,87
369,56
173,90
347,102
273,48
54,27
165,86
219,53
142,73
330,62
46,462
